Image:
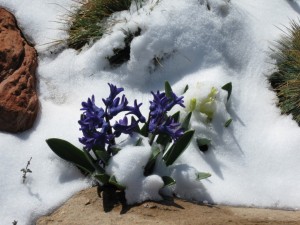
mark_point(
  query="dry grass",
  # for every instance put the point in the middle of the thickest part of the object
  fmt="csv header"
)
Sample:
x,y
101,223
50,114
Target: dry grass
x,y
87,23
286,80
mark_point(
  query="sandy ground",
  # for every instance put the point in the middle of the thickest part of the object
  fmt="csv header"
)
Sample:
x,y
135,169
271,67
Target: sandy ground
x,y
87,208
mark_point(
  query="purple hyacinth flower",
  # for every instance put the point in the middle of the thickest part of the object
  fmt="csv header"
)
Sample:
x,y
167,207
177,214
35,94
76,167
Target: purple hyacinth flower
x,y
93,114
116,108
123,127
95,137
135,110
160,122
114,91
175,101
171,128
95,122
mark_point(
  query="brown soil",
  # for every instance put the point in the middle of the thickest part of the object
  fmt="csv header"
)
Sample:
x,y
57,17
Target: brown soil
x,y
87,208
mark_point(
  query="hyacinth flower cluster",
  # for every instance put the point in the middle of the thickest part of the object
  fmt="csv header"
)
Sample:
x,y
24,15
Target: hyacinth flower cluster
x,y
95,122
96,126
160,122
166,135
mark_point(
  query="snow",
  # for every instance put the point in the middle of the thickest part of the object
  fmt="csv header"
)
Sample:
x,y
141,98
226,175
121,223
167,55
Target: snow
x,y
127,166
253,162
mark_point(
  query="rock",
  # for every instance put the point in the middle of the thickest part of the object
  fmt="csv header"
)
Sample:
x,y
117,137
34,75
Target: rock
x,y
18,63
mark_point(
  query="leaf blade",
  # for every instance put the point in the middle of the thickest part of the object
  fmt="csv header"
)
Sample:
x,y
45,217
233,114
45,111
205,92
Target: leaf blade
x,y
203,144
186,122
178,148
69,152
102,177
103,155
201,176
168,181
151,162
113,181
186,88
168,90
228,122
228,87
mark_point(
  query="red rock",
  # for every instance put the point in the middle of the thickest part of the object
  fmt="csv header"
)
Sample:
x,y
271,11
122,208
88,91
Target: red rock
x,y
18,62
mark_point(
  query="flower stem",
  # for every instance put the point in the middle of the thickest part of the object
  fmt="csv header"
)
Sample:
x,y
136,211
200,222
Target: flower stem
x,y
152,137
109,131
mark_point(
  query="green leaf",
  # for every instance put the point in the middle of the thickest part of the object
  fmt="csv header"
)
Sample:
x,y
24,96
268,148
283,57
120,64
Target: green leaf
x,y
144,130
168,181
115,149
203,144
69,152
139,142
228,87
137,128
168,90
93,162
113,181
83,170
228,122
163,139
186,122
103,155
203,141
176,116
102,177
178,147
185,89
201,176
151,163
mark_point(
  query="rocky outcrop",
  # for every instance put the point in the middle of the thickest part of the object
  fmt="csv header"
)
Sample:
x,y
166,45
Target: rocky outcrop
x,y
18,63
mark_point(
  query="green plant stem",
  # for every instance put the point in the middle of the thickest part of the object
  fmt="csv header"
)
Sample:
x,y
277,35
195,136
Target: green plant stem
x,y
113,141
151,140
